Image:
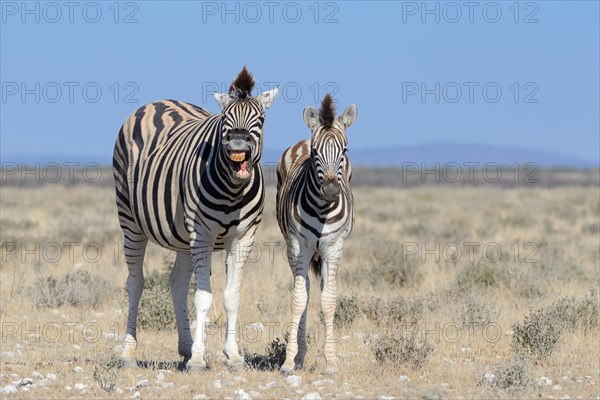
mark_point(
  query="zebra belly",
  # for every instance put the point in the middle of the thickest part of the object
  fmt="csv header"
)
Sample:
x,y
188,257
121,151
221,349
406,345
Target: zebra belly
x,y
159,210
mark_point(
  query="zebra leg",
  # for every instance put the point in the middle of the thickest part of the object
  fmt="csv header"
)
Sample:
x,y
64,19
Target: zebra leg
x,y
201,257
328,302
237,254
299,266
299,359
135,248
179,282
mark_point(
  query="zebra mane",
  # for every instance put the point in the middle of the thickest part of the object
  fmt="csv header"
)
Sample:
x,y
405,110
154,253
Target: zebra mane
x,y
243,84
327,112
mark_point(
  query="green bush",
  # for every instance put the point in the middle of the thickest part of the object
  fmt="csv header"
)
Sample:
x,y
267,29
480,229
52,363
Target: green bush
x,y
156,305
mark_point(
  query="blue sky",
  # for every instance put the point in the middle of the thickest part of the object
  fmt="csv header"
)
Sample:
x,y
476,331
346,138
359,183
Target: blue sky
x,y
502,73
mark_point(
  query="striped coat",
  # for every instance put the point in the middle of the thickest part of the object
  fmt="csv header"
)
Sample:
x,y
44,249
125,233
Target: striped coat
x,y
191,182
315,212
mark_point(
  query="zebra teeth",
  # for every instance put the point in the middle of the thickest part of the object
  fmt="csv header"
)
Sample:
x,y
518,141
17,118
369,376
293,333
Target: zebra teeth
x,y
238,157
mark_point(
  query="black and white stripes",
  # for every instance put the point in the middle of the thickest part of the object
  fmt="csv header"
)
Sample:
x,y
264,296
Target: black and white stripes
x,y
315,212
192,182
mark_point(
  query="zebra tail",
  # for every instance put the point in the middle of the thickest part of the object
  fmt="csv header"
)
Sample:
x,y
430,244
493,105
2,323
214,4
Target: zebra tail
x,y
316,264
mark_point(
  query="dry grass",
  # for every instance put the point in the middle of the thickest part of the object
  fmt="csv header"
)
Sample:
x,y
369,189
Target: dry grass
x,y
439,317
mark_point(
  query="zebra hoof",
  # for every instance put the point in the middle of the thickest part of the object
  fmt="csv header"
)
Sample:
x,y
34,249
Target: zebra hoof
x,y
286,371
195,366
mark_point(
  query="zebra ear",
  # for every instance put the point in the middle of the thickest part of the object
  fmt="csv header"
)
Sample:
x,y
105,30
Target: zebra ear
x,y
311,117
267,98
223,99
349,115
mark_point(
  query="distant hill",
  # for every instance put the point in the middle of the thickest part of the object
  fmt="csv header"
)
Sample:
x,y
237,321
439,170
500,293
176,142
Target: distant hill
x,y
429,154
444,153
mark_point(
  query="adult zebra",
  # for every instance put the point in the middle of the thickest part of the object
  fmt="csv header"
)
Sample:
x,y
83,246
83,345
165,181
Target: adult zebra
x,y
191,182
315,212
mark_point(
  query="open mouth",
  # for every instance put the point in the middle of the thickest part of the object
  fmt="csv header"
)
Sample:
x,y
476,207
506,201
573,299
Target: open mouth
x,y
240,162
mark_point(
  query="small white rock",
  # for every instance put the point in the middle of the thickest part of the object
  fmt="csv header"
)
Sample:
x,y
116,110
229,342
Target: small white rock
x,y
382,397
312,396
403,378
9,389
241,395
323,382
80,386
217,384
544,381
293,380
42,382
53,376
160,376
36,374
68,388
168,385
272,385
199,397
136,395
142,383
489,377
556,387
77,370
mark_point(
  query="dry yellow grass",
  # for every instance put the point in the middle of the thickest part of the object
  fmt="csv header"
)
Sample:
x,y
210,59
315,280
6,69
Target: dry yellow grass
x,y
396,232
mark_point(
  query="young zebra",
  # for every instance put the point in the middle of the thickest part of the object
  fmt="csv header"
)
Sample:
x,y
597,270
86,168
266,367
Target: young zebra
x,y
192,183
315,211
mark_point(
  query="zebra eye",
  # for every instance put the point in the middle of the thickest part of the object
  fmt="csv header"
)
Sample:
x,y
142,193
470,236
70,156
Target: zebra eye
x,y
345,150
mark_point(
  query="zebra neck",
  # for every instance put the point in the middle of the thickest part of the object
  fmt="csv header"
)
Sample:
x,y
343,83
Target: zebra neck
x,y
311,194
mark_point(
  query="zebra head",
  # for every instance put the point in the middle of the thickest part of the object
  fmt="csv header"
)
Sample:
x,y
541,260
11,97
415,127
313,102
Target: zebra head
x,y
329,145
242,119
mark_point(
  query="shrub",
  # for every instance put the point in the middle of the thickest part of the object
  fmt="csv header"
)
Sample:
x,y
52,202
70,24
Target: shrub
x,y
396,311
348,309
538,335
156,306
513,374
273,359
541,330
482,275
77,289
476,312
396,350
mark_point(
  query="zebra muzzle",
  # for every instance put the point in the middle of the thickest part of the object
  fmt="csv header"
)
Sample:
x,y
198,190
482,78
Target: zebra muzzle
x,y
241,163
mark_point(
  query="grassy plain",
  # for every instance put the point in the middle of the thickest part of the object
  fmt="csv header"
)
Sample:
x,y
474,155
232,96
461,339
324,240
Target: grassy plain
x,y
445,292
